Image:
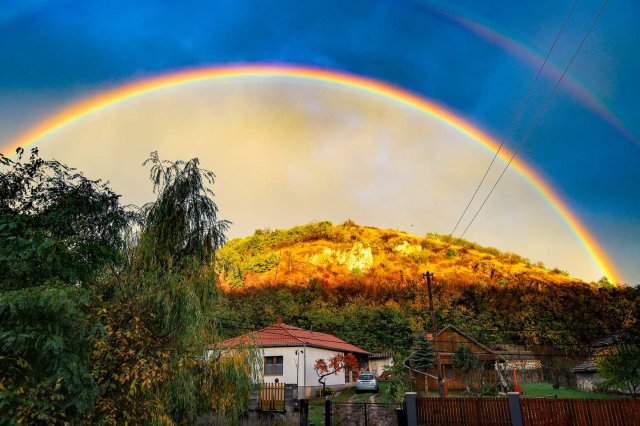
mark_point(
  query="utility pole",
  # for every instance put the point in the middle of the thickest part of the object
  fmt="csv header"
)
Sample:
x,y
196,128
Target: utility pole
x,y
304,369
428,275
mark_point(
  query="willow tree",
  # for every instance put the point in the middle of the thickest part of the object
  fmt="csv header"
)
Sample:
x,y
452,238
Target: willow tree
x,y
159,308
182,225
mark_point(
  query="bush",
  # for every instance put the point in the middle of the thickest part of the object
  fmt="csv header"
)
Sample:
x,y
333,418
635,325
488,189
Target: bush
x,y
489,389
328,391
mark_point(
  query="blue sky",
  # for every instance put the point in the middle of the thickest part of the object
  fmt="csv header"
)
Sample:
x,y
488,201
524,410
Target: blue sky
x,y
55,52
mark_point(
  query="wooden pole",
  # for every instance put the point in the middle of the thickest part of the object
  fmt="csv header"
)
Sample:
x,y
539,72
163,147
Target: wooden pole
x,y
434,325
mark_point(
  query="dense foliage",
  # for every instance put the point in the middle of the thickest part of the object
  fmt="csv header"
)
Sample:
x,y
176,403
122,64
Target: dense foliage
x,y
497,298
159,311
58,230
621,366
105,314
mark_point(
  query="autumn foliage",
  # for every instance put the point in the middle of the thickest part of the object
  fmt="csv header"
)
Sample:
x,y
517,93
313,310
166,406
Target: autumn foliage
x,y
314,277
336,364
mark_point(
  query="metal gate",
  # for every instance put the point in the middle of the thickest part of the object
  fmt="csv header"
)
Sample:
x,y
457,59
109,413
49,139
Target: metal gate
x,y
361,414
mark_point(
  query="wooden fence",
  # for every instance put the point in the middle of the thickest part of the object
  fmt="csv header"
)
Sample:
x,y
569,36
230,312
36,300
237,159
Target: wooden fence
x,y
561,412
534,412
271,397
463,411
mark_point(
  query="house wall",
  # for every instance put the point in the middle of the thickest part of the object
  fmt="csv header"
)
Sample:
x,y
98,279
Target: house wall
x,y
377,366
292,364
447,343
296,375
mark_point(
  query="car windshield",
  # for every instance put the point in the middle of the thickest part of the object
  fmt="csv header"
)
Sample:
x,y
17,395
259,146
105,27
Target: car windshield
x,y
366,376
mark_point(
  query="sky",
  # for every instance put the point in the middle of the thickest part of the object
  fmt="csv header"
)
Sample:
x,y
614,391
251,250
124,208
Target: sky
x,y
287,152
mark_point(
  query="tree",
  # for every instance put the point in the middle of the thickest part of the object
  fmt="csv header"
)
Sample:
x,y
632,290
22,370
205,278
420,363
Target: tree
x,y
58,230
159,312
336,364
182,224
621,367
424,356
466,361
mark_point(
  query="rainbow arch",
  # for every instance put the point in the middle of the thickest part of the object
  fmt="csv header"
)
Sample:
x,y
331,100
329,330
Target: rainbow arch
x,y
535,59
137,88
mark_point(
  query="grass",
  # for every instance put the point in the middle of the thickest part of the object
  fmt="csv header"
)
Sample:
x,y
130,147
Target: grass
x,y
537,390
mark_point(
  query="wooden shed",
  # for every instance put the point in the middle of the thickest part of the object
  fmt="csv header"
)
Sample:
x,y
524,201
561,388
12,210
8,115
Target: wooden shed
x,y
446,342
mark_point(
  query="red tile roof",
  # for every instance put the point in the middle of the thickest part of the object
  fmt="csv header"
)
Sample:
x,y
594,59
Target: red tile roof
x,y
285,335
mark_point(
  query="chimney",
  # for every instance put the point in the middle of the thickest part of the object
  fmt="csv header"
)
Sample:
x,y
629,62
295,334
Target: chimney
x,y
279,320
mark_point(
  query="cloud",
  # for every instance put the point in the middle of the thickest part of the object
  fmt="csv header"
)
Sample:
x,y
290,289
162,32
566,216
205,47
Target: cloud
x,y
287,152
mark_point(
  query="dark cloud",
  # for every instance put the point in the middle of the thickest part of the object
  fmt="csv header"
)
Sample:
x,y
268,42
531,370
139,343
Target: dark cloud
x,y
69,46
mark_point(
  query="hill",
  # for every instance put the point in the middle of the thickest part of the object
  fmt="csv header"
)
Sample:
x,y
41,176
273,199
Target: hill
x,y
333,254
365,286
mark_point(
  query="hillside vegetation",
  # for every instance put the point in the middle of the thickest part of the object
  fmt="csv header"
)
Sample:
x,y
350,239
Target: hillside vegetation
x,y
335,254
365,285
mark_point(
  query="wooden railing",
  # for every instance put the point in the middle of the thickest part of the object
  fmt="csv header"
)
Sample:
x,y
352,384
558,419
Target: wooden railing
x,y
534,412
463,411
601,412
272,396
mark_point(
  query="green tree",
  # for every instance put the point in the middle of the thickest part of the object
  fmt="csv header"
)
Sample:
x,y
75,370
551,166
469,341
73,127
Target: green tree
x,y
467,362
424,357
159,312
182,225
58,230
621,367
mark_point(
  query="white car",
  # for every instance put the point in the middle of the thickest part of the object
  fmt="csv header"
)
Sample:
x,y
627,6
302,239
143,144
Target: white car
x,y
367,382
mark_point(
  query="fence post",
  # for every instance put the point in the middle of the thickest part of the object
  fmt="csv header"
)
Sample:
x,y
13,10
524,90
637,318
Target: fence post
x,y
515,409
411,408
304,412
327,412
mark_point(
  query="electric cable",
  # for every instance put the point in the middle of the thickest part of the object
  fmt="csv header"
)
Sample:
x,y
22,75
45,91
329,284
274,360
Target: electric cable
x,y
537,117
516,117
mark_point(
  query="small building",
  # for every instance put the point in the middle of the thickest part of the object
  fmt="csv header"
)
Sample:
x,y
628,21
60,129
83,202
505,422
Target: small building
x,y
446,343
519,358
587,371
289,354
379,362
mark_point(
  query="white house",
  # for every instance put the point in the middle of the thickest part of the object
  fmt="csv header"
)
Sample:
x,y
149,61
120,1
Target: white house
x,y
289,354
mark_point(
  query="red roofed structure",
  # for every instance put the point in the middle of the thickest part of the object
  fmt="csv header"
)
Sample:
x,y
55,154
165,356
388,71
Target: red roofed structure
x,y
289,355
279,335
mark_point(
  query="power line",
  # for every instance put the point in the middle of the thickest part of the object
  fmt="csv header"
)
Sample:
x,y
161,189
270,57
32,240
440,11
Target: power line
x,y
538,115
516,117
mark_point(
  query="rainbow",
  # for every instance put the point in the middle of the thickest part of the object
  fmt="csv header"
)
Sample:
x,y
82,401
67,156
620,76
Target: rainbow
x,y
138,88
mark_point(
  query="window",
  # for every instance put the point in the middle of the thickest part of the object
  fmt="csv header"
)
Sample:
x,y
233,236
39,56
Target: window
x,y
273,366
449,372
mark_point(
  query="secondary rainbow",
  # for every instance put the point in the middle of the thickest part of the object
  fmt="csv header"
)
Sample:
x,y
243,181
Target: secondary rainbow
x,y
131,90
534,59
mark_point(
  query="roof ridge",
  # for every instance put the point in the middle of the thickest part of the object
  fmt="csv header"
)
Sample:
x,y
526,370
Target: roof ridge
x,y
291,334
